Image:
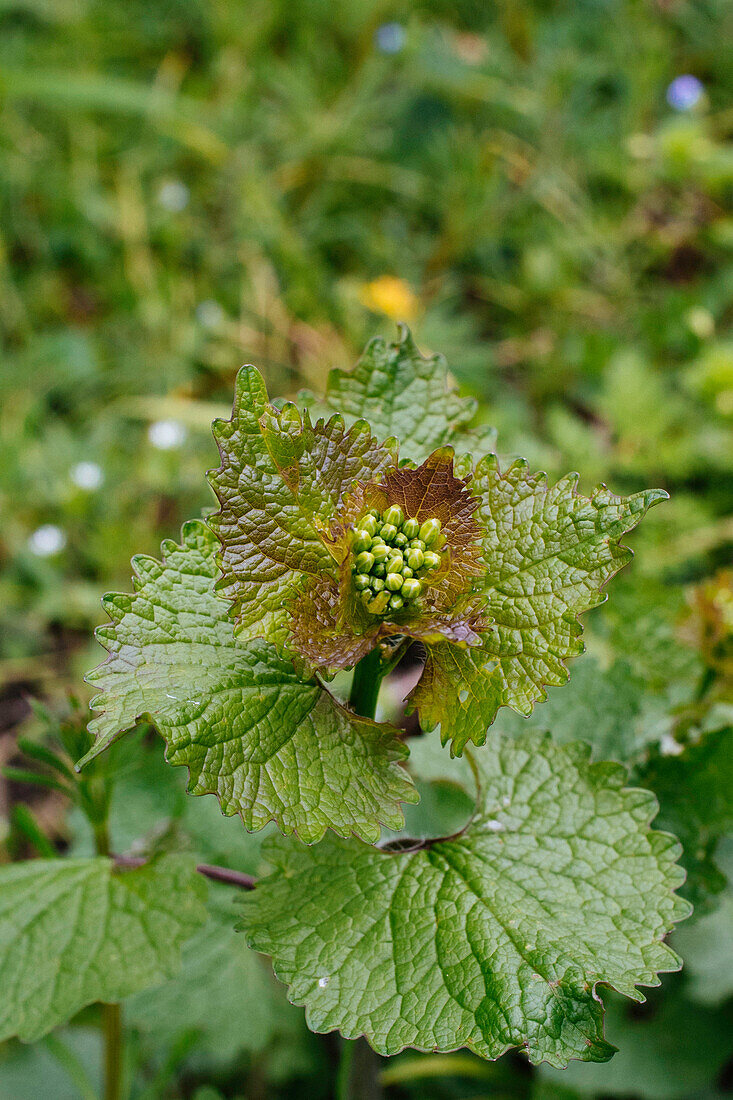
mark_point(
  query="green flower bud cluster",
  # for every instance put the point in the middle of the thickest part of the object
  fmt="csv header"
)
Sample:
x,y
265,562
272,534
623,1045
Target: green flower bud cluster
x,y
393,558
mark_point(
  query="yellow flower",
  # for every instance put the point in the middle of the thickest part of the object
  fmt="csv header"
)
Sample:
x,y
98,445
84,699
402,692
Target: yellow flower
x,y
391,296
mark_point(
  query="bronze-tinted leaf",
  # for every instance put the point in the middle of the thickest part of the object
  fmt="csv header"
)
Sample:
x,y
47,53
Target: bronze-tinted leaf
x,y
330,626
281,484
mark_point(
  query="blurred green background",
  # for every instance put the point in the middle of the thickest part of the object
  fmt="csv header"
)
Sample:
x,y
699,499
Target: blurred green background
x,y
542,190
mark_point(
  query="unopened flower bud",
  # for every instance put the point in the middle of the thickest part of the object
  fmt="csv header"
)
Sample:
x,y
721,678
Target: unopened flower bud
x,y
396,602
364,562
369,524
394,515
411,589
415,558
410,528
361,581
388,532
430,531
394,581
431,560
362,541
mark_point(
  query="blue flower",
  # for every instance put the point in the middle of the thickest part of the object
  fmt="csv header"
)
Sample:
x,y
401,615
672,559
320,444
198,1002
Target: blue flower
x,y
684,92
390,37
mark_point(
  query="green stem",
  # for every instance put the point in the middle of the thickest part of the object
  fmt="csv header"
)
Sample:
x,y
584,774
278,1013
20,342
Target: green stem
x,y
357,1074
706,682
72,1065
474,770
365,686
389,663
101,838
343,1076
25,822
111,1013
112,1031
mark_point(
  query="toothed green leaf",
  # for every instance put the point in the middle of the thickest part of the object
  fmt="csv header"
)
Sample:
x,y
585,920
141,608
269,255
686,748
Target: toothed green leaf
x,y
271,746
281,482
404,394
492,939
75,931
547,553
670,1050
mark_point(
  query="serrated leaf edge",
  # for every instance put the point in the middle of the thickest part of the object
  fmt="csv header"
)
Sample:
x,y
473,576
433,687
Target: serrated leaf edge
x,y
624,557
394,756
669,847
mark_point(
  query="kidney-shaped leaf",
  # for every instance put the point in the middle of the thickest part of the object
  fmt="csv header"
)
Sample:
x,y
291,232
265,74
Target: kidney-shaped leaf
x,y
492,939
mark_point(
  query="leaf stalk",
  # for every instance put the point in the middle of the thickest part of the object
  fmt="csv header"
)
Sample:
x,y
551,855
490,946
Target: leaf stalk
x,y
112,1032
368,674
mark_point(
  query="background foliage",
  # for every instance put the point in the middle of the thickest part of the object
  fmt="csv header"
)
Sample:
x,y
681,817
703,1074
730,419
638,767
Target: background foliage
x,y
190,185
